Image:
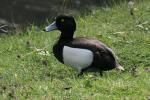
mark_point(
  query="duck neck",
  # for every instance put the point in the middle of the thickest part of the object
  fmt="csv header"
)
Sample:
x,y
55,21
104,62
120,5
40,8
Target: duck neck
x,y
65,37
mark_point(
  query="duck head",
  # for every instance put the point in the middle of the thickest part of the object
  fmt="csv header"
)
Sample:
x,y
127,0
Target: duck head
x,y
63,23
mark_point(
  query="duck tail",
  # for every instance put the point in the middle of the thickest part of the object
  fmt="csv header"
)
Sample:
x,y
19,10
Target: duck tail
x,y
120,68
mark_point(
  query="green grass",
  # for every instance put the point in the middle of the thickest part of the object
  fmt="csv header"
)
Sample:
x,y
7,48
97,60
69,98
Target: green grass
x,y
25,74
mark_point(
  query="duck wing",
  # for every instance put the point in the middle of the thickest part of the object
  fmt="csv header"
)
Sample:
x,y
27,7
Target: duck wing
x,y
104,57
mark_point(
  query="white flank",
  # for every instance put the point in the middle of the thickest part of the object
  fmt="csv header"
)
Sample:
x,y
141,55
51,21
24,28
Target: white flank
x,y
77,58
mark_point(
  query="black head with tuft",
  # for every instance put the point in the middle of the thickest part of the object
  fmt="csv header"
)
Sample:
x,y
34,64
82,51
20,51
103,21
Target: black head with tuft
x,y
66,24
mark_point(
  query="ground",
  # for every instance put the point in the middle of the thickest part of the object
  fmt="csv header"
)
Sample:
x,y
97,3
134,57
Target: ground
x,y
28,69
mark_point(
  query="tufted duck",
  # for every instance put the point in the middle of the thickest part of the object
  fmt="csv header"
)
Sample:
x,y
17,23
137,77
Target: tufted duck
x,y
83,54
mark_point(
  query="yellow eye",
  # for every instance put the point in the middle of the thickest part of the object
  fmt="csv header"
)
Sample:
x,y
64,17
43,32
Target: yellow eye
x,y
62,20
